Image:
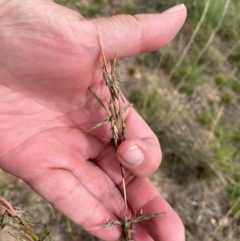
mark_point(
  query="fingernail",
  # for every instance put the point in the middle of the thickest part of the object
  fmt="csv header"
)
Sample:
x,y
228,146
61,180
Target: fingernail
x,y
176,8
133,156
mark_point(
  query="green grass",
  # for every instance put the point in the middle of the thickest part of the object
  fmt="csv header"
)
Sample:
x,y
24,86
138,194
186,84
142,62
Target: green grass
x,y
62,2
236,86
214,155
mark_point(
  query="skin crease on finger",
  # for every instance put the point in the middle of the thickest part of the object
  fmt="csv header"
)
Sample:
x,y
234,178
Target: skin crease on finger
x,y
63,69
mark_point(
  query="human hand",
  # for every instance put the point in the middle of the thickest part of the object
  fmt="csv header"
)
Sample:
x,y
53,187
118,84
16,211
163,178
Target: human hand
x,y
49,58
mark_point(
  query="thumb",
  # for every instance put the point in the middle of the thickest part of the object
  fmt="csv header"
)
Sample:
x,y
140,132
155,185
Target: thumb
x,y
131,35
141,157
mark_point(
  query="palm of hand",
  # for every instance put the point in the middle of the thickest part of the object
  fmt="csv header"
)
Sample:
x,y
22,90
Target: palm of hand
x,y
43,78
44,130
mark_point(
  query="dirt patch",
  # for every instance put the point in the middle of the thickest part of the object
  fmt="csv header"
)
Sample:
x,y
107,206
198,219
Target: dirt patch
x,y
201,205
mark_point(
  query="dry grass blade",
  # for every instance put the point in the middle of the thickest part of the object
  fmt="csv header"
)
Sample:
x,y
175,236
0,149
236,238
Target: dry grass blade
x,y
185,51
100,101
139,218
109,224
20,221
146,217
7,207
115,114
100,124
214,32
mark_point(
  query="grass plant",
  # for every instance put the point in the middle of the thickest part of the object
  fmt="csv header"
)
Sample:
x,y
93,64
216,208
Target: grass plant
x,y
114,112
21,222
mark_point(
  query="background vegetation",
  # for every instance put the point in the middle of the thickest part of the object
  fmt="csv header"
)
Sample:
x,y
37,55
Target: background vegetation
x,y
192,104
